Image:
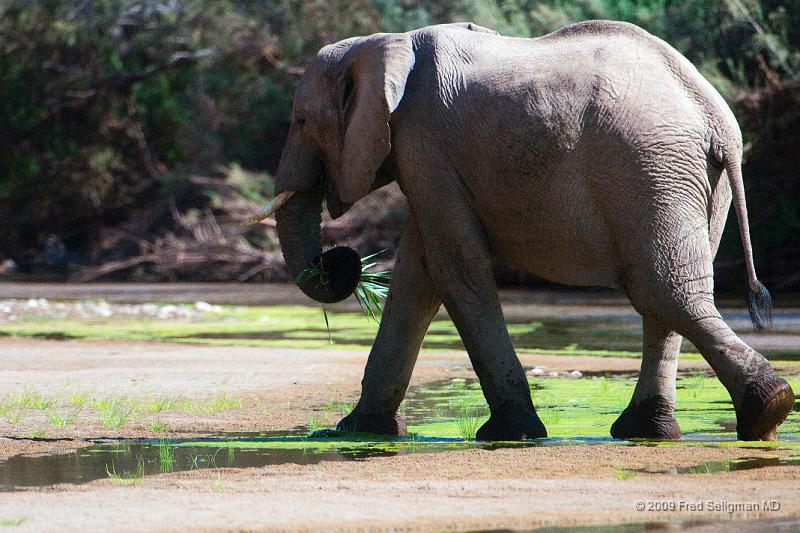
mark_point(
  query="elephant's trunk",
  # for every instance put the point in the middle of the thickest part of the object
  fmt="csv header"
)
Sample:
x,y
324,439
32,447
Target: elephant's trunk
x,y
329,277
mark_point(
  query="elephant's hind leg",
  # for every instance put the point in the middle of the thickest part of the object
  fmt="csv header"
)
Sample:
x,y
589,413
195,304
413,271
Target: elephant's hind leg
x,y
673,281
410,307
650,412
761,398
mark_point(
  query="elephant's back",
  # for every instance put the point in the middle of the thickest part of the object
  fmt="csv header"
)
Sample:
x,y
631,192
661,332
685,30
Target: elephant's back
x,y
632,70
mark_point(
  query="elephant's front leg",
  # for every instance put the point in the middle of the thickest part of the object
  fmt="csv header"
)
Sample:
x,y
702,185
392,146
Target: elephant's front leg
x,y
460,265
410,307
650,413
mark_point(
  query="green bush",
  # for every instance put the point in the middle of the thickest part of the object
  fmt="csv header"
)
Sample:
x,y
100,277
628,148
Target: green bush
x,y
112,108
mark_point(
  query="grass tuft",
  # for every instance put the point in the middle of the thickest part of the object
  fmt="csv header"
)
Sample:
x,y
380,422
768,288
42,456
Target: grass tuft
x,y
222,402
158,405
314,424
166,457
114,412
622,474
550,417
36,433
158,426
127,478
61,420
217,486
468,422
343,407
32,399
78,399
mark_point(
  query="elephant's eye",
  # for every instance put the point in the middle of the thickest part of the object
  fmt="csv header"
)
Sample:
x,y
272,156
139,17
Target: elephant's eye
x,y
300,121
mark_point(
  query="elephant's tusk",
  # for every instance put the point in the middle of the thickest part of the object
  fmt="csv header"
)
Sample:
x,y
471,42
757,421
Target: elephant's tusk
x,y
269,209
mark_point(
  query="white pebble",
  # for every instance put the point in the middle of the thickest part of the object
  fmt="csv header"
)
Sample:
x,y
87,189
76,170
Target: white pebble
x,y
150,309
203,307
167,311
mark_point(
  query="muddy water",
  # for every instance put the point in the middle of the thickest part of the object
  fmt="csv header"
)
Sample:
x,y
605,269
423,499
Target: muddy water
x,y
441,416
130,460
764,525
731,465
126,461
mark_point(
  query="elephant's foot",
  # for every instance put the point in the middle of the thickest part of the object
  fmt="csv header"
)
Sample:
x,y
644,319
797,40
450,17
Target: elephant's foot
x,y
765,404
357,422
649,419
517,423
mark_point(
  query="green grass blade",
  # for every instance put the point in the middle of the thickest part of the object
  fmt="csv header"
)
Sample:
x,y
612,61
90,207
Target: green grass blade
x,y
327,325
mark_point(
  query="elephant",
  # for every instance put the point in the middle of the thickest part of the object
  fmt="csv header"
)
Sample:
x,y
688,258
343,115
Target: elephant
x,y
596,155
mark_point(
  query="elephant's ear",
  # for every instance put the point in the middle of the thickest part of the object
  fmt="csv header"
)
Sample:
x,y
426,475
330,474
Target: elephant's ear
x,y
375,74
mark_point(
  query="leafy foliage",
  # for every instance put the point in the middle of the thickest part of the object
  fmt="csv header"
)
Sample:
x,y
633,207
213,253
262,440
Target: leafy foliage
x,y
372,288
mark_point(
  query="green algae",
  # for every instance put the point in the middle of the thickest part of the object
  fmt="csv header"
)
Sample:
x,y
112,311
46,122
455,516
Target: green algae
x,y
586,407
304,327
575,411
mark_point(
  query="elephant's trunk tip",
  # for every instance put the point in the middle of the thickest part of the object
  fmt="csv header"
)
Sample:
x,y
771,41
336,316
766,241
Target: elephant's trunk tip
x,y
268,210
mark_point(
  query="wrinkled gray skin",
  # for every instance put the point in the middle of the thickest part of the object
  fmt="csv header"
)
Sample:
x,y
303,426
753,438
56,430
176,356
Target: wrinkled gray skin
x,y
595,155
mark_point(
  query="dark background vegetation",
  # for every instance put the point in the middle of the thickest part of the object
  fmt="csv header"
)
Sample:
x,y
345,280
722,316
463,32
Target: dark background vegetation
x,y
137,134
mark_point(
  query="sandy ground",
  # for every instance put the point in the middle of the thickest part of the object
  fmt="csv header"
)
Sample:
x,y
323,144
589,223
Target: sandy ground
x,y
456,491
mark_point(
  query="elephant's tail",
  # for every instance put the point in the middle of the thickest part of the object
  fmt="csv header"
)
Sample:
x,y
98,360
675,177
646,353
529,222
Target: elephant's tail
x,y
759,302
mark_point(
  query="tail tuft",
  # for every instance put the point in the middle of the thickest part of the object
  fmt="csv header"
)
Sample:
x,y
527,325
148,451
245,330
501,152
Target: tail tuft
x,y
759,305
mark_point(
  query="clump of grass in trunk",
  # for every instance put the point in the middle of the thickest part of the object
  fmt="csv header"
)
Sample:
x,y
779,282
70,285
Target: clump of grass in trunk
x,y
372,288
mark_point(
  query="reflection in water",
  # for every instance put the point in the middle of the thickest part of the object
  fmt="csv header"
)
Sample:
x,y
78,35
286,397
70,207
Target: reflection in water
x,y
130,459
136,458
730,465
